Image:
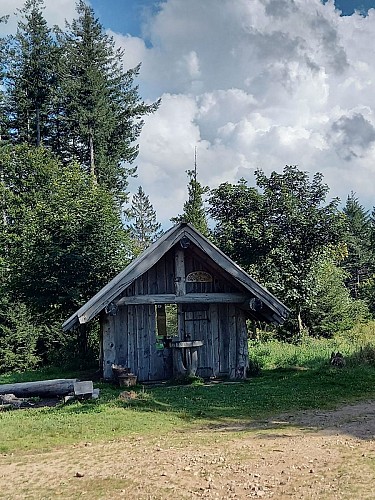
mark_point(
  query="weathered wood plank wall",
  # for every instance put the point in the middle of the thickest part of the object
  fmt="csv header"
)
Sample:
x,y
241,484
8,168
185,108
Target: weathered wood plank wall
x,y
129,337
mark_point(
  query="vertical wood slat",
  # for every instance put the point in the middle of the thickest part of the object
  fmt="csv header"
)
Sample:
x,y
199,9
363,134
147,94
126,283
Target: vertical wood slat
x,y
242,346
170,273
223,311
208,342
150,326
214,333
206,350
199,335
109,346
180,272
232,332
161,278
180,323
142,368
152,283
132,356
122,336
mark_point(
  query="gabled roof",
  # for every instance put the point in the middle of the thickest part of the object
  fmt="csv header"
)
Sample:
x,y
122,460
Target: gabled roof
x,y
152,255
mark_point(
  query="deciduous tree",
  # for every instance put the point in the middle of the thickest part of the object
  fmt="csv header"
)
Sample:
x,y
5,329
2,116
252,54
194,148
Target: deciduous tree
x,y
62,237
286,226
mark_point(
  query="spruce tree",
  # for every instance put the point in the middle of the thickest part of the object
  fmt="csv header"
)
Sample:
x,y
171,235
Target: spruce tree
x,y
194,211
102,111
145,228
358,261
330,307
30,76
3,127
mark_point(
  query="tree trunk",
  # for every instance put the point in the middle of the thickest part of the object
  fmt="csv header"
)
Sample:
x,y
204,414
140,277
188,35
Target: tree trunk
x,y
299,322
38,126
92,157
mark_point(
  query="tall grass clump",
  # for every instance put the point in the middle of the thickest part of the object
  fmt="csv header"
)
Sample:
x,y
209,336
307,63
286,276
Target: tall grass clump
x,y
357,345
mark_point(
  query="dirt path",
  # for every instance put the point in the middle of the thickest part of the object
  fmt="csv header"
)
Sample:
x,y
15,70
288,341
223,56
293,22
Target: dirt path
x,y
311,455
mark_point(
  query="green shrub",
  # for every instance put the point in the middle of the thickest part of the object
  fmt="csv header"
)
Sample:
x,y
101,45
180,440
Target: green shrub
x,y
19,336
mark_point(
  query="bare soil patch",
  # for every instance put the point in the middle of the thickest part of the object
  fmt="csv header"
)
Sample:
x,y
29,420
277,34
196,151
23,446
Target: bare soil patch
x,y
309,455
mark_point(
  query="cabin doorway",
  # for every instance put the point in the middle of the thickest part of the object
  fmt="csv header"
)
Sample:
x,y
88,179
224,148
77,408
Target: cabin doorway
x,y
166,330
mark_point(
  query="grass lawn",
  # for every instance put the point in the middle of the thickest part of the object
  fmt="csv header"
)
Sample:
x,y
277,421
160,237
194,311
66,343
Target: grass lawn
x,y
189,437
158,410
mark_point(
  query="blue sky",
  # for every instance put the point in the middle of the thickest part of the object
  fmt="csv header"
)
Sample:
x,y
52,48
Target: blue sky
x,y
252,84
349,6
126,16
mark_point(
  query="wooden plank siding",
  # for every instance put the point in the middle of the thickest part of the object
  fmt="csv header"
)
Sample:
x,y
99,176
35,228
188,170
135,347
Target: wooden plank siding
x,y
129,338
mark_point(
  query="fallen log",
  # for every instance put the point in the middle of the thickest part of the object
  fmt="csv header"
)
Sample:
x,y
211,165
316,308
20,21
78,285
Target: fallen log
x,y
41,388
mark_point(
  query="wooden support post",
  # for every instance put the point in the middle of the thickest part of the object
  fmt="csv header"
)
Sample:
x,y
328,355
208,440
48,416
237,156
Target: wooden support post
x,y
180,272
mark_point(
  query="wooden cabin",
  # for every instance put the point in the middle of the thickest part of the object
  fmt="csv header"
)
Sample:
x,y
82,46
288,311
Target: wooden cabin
x,y
179,309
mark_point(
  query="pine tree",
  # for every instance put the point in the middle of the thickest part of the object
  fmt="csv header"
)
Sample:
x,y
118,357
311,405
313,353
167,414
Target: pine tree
x,y
101,109
145,229
358,261
194,211
30,76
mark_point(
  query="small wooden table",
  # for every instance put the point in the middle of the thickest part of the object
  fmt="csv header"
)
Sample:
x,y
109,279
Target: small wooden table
x,y
185,357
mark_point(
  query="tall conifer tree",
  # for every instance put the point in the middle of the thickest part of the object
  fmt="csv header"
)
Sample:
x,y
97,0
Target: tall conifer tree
x,y
194,211
102,110
358,239
30,76
145,228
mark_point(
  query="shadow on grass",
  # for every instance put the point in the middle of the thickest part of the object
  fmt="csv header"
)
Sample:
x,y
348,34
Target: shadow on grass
x,y
256,402
274,400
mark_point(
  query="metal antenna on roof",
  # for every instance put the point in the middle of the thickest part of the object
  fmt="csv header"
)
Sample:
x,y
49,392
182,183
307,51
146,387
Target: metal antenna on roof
x,y
195,163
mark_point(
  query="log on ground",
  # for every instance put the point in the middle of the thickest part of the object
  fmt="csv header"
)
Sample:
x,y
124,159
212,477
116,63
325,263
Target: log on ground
x,y
41,388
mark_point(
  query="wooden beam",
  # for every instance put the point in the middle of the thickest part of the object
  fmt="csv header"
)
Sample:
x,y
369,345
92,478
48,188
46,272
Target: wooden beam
x,y
189,298
180,271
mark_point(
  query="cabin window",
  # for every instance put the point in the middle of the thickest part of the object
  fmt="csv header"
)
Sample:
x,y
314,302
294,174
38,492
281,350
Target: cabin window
x,y
166,324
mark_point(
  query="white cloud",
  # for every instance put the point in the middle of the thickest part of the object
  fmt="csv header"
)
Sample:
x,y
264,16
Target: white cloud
x,y
55,12
257,84
260,83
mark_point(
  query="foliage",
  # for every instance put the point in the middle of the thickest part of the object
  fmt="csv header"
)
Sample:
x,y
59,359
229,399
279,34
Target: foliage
x,y
239,231
360,259
330,307
101,110
194,211
278,234
30,76
19,336
62,237
145,229
313,353
368,293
